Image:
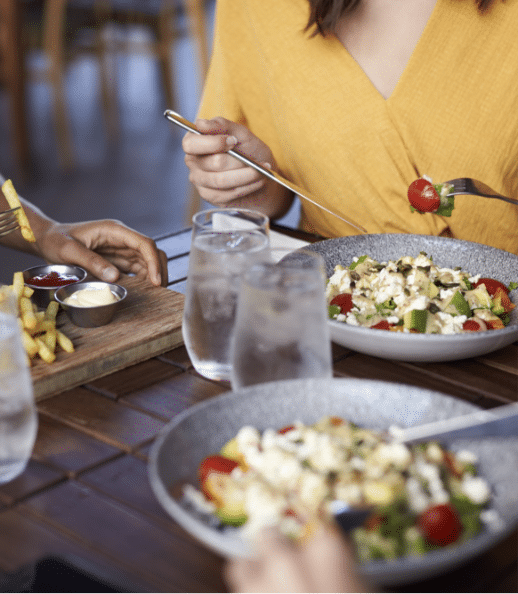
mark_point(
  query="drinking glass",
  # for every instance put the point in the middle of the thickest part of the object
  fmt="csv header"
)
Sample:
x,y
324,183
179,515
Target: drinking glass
x,y
18,417
224,243
281,329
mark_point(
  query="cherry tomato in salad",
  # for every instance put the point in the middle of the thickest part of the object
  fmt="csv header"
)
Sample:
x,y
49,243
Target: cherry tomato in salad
x,y
344,301
423,196
440,525
383,325
492,285
474,326
215,464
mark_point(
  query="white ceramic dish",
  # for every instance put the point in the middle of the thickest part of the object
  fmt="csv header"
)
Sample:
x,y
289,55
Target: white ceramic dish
x,y
472,257
204,428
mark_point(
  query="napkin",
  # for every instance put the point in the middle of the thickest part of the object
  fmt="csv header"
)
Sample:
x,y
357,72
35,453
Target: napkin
x,y
280,244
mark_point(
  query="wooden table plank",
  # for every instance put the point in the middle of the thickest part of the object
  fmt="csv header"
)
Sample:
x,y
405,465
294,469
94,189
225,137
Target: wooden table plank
x,y
68,449
36,477
100,417
148,323
504,359
25,540
153,552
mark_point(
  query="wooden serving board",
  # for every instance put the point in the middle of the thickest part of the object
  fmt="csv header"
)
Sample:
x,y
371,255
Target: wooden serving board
x,y
147,324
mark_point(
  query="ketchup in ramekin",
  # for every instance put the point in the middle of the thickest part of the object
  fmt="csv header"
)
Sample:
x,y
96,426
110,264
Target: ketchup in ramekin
x,y
52,279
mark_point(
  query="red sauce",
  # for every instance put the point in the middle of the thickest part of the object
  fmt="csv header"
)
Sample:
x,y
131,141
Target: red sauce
x,y
52,279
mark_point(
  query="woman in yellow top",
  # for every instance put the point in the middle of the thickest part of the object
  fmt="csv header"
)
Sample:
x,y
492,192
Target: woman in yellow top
x,y
352,100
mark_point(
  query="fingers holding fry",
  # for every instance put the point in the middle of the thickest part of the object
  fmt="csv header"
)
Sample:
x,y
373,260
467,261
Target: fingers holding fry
x,y
14,202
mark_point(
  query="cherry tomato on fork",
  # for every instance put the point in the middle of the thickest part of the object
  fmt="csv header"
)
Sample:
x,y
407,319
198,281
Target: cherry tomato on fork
x,y
423,196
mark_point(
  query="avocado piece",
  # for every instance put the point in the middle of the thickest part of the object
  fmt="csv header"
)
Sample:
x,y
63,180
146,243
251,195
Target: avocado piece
x,y
433,290
479,297
458,305
231,450
415,320
230,517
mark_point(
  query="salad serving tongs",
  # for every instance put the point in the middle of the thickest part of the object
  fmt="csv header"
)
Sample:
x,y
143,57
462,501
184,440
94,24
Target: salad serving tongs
x,y
177,119
498,422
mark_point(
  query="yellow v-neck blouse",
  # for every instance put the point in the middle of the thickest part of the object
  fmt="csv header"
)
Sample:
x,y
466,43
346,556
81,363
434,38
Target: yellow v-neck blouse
x,y
453,113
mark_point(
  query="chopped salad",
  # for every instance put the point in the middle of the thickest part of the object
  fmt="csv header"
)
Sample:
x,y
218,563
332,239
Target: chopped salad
x,y
415,295
423,497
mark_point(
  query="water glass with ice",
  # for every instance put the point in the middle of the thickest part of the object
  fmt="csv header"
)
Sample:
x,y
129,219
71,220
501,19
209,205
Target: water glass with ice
x,y
225,242
281,329
18,416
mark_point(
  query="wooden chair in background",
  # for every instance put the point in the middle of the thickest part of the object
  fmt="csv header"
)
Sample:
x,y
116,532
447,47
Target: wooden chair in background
x,y
160,16
12,77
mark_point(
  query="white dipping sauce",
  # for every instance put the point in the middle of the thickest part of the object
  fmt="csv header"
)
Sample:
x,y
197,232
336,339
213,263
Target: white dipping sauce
x,y
91,297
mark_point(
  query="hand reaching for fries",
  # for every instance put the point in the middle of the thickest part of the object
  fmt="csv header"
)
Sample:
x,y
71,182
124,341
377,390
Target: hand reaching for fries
x,y
40,335
104,248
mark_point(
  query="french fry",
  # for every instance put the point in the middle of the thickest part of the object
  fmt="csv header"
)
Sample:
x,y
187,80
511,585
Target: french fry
x,y
50,338
52,310
30,345
64,342
44,352
18,284
40,335
27,313
14,202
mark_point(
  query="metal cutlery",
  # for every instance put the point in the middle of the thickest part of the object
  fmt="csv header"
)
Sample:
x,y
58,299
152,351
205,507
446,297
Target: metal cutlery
x,y
8,221
467,185
177,119
497,422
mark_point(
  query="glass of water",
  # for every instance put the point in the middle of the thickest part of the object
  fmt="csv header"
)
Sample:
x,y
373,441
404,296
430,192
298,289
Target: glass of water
x,y
281,329
225,242
18,416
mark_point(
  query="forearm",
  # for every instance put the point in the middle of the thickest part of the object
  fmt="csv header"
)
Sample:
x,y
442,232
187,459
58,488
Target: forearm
x,y
37,219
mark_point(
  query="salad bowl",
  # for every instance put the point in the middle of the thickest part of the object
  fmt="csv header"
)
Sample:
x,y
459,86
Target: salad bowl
x,y
204,428
472,257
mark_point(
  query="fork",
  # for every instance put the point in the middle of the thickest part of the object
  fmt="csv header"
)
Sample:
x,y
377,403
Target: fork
x,y
8,221
179,120
467,185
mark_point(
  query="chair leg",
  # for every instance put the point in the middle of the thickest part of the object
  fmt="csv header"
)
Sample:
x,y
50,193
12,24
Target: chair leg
x,y
166,37
14,70
54,25
198,32
193,205
104,49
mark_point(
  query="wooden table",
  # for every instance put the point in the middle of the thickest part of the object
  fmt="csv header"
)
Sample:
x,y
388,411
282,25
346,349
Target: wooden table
x,y
86,492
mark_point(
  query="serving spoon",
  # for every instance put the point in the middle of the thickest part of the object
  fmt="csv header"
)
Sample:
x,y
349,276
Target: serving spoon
x,y
177,119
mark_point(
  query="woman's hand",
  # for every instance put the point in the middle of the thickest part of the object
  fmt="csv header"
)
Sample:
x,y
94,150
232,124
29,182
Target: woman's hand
x,y
324,562
224,181
103,248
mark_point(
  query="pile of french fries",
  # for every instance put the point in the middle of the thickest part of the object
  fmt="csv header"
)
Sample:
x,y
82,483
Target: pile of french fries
x,y
39,333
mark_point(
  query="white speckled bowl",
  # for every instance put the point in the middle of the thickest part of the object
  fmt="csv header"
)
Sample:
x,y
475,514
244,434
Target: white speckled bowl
x,y
204,428
472,257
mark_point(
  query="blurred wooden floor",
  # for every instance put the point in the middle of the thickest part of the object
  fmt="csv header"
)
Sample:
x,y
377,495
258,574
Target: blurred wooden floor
x,y
140,178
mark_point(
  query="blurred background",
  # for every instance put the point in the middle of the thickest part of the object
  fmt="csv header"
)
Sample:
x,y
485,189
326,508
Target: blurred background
x,y
83,88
